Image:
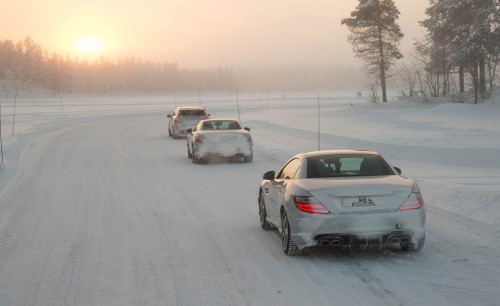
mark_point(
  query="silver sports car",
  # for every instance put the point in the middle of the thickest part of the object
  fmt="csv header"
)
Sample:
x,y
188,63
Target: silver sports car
x,y
213,138
341,198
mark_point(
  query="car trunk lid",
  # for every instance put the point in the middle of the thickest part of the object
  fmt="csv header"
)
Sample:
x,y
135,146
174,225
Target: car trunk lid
x,y
360,194
190,121
222,137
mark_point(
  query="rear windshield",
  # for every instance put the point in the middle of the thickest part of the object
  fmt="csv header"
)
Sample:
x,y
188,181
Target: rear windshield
x,y
192,112
221,125
347,165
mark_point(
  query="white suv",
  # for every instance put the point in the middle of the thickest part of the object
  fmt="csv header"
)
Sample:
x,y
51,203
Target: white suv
x,y
184,118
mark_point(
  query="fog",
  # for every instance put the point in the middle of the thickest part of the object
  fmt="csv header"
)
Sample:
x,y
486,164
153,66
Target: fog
x,y
247,35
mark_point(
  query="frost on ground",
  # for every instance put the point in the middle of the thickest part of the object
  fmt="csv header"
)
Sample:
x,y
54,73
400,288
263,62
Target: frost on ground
x,y
98,206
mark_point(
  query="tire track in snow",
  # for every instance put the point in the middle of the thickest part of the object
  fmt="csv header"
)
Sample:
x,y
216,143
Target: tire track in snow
x,y
222,276
375,285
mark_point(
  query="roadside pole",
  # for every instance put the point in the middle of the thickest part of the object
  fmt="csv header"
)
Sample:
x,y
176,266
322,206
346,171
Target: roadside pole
x,y
62,106
14,114
238,105
319,125
1,141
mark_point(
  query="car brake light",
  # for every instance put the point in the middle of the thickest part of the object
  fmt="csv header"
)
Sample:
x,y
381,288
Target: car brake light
x,y
309,204
178,119
206,117
414,200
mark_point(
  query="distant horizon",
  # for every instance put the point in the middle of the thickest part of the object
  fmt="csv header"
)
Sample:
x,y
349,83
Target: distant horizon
x,y
299,77
195,34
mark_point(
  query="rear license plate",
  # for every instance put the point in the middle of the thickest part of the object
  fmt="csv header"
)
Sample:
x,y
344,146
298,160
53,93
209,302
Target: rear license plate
x,y
226,139
360,201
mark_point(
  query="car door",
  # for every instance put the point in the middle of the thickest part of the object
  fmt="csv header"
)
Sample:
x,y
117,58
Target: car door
x,y
277,189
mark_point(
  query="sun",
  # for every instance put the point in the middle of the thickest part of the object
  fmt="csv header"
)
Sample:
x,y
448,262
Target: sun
x,y
88,45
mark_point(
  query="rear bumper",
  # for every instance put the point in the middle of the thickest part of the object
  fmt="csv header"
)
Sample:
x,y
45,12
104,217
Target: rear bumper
x,y
223,150
347,229
181,130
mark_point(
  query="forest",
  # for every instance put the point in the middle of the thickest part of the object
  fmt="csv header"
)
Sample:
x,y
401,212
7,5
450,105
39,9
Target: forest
x,y
462,41
25,64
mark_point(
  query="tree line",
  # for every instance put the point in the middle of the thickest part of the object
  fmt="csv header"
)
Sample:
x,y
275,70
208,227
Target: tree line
x,y
460,50
25,64
463,38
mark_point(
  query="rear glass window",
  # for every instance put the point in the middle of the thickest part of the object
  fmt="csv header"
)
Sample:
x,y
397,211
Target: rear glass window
x,y
192,112
347,165
221,125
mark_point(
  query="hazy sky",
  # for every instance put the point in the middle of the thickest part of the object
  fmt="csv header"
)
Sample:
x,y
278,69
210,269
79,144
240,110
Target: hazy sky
x,y
197,33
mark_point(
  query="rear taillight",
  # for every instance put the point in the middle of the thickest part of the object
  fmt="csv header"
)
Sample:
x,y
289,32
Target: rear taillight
x,y
206,117
199,139
414,200
309,204
178,119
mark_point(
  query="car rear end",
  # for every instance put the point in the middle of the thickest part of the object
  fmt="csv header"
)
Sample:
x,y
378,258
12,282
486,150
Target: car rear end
x,y
357,210
187,119
213,144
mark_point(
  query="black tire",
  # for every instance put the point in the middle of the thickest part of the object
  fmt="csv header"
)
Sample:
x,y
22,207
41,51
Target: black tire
x,y
262,214
195,160
169,132
248,158
287,244
413,247
190,155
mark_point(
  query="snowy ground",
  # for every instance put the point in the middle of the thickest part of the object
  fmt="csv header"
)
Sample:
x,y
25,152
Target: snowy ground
x,y
98,206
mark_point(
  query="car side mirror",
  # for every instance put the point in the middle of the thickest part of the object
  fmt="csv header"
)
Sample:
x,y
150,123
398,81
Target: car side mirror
x,y
269,175
169,116
397,170
189,131
246,129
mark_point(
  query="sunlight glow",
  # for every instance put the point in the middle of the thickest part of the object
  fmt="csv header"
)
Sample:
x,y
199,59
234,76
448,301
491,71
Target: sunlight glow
x,y
88,45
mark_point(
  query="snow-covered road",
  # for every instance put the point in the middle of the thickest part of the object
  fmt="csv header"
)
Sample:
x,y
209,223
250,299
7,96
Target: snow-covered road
x,y
108,210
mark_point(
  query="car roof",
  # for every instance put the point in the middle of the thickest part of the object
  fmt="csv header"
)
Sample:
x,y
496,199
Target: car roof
x,y
336,152
219,119
190,107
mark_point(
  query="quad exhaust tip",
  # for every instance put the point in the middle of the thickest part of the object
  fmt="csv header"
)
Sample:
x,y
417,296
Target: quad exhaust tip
x,y
399,239
334,241
338,241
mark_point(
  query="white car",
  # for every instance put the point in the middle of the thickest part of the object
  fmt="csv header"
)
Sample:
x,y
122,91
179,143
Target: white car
x,y
215,138
341,198
184,118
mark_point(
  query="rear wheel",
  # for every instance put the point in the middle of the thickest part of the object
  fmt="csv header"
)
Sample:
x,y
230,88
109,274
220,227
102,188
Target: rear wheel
x,y
194,158
263,215
190,155
289,247
413,247
248,158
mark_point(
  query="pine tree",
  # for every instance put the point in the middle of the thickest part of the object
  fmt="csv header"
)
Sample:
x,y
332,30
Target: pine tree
x,y
469,30
375,36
